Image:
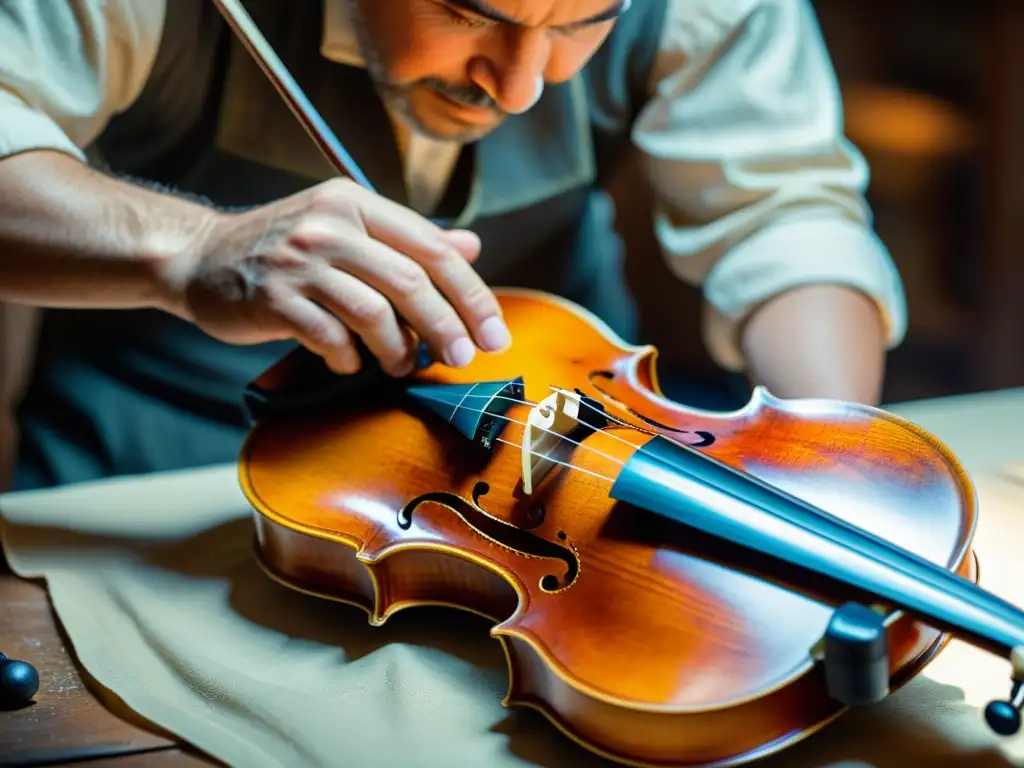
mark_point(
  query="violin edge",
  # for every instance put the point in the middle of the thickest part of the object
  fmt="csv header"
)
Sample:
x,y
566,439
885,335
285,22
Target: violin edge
x,y
338,156
587,720
635,359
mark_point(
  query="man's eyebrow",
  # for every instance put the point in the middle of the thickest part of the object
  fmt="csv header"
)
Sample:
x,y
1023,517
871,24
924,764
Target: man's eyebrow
x,y
481,8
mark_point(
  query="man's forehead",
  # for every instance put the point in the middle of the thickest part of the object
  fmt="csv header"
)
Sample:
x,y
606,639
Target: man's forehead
x,y
545,13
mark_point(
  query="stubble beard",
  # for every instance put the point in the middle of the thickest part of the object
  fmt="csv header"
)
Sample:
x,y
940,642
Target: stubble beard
x,y
397,98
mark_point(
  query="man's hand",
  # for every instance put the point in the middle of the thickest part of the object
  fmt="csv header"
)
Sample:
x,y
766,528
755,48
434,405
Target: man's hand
x,y
321,266
331,262
818,341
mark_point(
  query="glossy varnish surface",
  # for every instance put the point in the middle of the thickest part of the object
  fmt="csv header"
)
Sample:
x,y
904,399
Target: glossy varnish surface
x,y
668,647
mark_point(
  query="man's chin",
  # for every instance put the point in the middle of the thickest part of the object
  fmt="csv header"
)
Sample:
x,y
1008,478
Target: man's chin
x,y
452,131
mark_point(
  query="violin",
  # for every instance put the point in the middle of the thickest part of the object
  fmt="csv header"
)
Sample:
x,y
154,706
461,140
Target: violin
x,y
670,586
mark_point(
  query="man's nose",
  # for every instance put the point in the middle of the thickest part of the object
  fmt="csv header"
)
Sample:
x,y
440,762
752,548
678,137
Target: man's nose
x,y
514,80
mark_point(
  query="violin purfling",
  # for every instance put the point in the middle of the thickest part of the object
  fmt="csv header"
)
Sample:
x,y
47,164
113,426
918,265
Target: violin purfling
x,y
671,587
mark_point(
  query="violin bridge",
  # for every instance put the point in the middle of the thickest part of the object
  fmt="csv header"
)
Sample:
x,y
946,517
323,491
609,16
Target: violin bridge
x,y
549,421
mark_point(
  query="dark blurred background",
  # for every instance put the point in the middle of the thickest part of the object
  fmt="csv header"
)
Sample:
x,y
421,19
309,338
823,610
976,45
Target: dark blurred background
x,y
934,97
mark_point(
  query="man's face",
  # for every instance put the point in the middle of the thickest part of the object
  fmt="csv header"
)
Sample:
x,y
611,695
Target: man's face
x,y
455,69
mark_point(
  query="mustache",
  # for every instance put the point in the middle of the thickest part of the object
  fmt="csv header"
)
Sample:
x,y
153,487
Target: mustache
x,y
471,95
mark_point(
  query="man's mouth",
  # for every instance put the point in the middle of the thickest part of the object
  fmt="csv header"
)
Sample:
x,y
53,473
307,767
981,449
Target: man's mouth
x,y
473,111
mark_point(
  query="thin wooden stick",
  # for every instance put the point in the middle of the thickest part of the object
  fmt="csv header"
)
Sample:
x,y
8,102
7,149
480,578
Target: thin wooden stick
x,y
264,55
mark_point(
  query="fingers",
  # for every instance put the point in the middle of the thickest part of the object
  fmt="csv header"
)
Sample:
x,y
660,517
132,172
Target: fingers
x,y
316,329
472,299
445,256
367,313
465,242
462,287
407,286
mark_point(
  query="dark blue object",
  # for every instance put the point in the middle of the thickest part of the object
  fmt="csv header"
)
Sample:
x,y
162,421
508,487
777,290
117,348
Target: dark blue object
x,y
312,384
477,410
856,656
1003,717
19,682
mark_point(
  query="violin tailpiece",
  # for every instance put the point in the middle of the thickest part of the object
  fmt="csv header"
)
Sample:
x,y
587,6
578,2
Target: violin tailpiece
x,y
478,411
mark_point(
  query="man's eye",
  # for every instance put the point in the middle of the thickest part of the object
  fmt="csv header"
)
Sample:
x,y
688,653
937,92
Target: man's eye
x,y
465,21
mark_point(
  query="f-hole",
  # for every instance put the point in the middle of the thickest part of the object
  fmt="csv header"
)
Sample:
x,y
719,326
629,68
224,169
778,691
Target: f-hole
x,y
704,438
506,535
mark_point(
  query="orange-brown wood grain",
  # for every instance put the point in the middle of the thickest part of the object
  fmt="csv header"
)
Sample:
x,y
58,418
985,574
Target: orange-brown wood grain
x,y
646,643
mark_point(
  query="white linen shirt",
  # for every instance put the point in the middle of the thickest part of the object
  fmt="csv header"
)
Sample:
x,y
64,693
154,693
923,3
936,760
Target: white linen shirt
x,y
757,189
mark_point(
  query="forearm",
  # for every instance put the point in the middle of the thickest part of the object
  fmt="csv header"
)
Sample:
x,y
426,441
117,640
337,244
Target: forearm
x,y
817,341
73,237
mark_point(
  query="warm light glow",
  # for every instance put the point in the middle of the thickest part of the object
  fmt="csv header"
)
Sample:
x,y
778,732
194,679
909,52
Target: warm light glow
x,y
891,120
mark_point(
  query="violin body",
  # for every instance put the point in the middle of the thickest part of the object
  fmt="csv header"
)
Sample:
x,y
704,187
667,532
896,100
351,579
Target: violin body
x,y
645,641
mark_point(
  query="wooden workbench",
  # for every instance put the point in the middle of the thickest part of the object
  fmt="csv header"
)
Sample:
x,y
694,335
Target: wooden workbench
x,y
68,723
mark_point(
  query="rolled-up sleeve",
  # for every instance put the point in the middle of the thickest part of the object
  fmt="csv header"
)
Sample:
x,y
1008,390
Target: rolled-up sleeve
x,y
68,66
757,189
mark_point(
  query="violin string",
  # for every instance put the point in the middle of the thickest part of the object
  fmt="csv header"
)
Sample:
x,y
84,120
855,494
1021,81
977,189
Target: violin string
x,y
607,415
602,430
560,436
938,580
587,447
597,410
594,408
567,465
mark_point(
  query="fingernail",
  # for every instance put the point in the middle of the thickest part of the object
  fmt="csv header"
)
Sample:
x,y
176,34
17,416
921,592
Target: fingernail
x,y
460,352
404,368
349,361
494,334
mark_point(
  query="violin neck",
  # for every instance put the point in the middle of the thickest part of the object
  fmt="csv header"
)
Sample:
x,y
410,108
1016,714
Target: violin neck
x,y
691,488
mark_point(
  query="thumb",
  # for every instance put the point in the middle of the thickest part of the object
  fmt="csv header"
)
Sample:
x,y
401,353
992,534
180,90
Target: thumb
x,y
465,242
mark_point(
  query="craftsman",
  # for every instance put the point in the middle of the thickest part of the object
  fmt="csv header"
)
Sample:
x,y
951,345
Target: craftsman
x,y
164,207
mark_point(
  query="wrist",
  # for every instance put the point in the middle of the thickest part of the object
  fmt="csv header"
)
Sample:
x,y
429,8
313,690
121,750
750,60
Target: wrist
x,y
170,255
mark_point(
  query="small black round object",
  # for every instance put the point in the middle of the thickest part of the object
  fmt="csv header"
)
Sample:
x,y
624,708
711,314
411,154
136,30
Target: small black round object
x,y
19,682
1002,717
